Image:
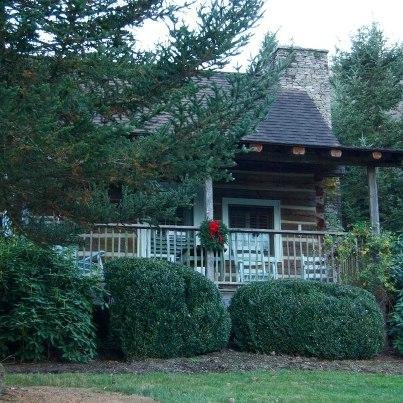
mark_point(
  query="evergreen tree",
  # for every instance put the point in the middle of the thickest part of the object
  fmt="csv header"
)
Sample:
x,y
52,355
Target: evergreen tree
x,y
367,112
83,109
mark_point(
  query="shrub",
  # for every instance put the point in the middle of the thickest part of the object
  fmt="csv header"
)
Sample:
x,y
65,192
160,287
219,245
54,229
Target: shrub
x,y
45,307
306,318
398,264
160,309
375,259
1,379
397,324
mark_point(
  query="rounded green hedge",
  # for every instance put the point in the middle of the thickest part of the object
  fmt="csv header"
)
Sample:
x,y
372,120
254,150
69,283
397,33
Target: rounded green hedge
x,y
1,379
45,305
306,318
397,324
160,309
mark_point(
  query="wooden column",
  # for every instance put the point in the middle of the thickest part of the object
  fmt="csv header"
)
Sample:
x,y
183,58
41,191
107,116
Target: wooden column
x,y
208,201
373,199
320,203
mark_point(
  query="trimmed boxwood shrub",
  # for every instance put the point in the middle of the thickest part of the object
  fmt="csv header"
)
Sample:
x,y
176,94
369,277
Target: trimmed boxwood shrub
x,y
307,318
1,379
397,324
161,309
45,305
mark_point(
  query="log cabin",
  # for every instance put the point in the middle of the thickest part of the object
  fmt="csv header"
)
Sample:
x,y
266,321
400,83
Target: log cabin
x,y
275,207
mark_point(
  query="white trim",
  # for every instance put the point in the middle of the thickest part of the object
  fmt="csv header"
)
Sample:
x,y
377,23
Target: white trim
x,y
226,201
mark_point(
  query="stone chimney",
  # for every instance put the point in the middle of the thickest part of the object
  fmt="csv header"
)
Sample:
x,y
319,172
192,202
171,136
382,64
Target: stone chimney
x,y
309,71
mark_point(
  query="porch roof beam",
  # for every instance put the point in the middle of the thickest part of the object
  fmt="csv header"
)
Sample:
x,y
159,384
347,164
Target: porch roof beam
x,y
331,156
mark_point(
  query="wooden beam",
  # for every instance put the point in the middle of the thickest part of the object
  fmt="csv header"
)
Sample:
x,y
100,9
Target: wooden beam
x,y
323,156
373,199
297,150
376,155
335,153
256,147
209,204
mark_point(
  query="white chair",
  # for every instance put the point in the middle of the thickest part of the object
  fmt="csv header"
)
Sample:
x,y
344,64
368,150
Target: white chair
x,y
265,270
92,264
314,268
169,245
251,256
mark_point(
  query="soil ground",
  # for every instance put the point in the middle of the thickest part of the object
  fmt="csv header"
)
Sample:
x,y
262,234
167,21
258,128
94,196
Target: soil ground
x,y
223,361
46,394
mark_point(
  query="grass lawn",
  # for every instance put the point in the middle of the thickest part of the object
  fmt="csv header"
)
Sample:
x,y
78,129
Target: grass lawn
x,y
259,386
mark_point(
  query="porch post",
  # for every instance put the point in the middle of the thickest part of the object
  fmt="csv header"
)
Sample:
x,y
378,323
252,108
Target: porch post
x,y
373,199
208,199
320,203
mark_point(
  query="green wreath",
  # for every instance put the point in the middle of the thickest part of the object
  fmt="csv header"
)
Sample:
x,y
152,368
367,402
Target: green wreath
x,y
213,235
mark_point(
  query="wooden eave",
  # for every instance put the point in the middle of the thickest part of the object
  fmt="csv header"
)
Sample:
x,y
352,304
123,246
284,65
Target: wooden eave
x,y
328,157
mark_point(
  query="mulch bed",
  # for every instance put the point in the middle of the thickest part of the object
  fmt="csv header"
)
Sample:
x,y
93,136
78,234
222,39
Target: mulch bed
x,y
223,361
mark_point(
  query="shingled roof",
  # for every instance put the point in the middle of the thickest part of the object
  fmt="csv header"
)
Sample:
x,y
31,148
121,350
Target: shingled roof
x,y
293,118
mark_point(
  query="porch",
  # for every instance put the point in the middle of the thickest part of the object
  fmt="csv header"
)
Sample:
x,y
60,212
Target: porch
x,y
250,255
274,209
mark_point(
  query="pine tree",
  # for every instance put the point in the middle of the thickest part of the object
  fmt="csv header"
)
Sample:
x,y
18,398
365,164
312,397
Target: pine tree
x,y
84,110
367,96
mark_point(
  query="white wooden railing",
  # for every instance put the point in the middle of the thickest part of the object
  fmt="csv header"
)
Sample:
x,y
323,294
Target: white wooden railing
x,y
250,255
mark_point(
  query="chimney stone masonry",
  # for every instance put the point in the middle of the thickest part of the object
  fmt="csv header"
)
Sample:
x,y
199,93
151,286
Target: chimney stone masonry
x,y
309,71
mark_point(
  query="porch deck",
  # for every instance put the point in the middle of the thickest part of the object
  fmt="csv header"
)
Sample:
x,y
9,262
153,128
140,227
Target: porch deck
x,y
250,255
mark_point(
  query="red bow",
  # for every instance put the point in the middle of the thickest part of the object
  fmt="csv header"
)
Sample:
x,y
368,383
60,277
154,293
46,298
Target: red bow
x,y
214,228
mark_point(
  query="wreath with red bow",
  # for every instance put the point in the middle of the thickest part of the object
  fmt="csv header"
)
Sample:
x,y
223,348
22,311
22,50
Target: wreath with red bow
x,y
213,235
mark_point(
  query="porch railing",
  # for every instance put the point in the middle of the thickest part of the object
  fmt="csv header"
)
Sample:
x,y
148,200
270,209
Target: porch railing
x,y
250,255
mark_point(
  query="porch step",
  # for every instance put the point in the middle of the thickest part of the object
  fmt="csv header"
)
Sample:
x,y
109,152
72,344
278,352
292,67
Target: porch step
x,y
227,292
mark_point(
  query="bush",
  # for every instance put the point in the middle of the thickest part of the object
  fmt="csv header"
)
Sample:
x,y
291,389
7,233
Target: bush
x,y
1,379
306,318
397,324
375,255
45,307
160,309
398,264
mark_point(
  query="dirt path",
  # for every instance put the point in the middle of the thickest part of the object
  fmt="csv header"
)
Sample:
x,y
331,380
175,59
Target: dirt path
x,y
223,361
66,395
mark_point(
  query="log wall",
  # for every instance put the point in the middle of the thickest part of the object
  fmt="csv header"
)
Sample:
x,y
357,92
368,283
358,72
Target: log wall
x,y
296,193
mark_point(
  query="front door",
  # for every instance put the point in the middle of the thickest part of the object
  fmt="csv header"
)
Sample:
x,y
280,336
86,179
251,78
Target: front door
x,y
254,253
253,217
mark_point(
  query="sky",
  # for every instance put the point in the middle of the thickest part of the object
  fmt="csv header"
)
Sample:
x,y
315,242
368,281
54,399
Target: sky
x,y
321,24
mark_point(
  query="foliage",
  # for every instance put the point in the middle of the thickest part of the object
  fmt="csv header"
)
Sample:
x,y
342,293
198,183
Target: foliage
x,y
2,372
213,235
306,318
45,307
374,261
246,386
77,95
397,273
367,83
397,324
161,309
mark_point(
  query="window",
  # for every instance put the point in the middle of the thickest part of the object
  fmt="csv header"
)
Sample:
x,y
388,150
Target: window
x,y
260,217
